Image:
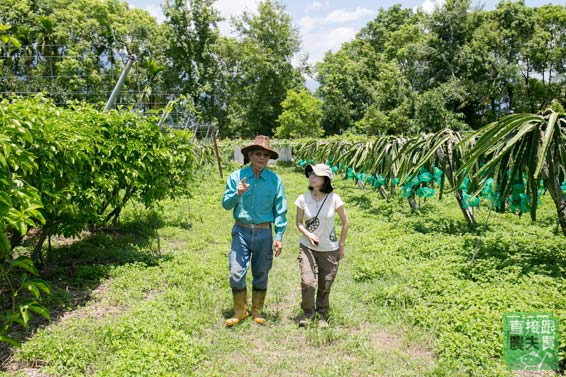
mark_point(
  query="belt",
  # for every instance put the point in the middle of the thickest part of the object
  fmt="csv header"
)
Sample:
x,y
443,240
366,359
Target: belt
x,y
254,226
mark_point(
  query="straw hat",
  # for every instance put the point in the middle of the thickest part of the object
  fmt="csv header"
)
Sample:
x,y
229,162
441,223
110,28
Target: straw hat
x,y
260,142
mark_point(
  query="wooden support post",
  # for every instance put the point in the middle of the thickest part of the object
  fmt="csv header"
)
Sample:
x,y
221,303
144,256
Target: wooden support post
x,y
213,132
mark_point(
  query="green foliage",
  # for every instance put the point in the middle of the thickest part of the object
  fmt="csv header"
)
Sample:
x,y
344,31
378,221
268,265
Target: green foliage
x,y
93,163
374,122
166,317
512,162
22,289
461,66
432,114
20,209
263,72
405,72
300,117
421,266
7,39
65,169
411,272
190,34
152,314
76,41
529,146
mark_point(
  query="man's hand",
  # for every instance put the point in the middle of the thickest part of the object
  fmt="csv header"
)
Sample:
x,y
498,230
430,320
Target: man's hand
x,y
277,247
242,187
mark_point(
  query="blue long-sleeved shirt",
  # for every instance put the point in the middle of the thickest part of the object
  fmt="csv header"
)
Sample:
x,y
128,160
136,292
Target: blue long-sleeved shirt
x,y
264,202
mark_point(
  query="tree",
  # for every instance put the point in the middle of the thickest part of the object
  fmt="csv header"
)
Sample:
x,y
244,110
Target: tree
x,y
449,31
72,49
546,54
301,116
516,25
366,85
432,112
348,80
191,33
374,122
267,43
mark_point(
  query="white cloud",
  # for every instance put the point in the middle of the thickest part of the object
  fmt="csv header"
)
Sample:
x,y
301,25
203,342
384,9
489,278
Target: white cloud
x,y
429,5
318,43
316,5
340,35
231,8
308,23
321,34
341,15
155,11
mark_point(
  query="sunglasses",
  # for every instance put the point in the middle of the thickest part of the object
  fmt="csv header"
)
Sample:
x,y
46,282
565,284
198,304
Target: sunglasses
x,y
262,154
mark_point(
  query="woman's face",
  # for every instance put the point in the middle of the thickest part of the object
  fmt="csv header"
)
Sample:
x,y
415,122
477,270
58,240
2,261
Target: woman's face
x,y
315,181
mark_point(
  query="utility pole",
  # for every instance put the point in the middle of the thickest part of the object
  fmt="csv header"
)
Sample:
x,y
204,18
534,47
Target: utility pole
x,y
112,100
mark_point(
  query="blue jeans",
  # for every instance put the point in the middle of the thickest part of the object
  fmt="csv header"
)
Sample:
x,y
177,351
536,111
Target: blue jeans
x,y
254,244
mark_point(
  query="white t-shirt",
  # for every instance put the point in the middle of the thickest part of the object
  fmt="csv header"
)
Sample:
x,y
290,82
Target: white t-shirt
x,y
325,231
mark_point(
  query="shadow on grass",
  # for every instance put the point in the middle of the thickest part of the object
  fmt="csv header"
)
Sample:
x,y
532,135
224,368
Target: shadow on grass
x,y
75,268
361,201
450,226
517,255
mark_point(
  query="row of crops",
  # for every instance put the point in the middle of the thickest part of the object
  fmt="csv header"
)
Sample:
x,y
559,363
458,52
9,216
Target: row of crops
x,y
66,169
441,276
426,184
509,164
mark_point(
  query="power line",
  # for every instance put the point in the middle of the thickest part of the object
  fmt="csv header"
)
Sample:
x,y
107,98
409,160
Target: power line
x,y
39,44
52,93
39,56
86,93
58,76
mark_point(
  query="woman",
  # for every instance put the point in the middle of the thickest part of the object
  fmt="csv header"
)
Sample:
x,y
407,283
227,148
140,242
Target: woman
x,y
319,248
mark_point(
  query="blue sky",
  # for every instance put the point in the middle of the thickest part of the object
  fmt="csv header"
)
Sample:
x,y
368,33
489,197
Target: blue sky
x,y
324,25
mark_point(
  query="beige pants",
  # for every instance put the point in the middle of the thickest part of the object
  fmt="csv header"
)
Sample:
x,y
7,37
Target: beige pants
x,y
318,271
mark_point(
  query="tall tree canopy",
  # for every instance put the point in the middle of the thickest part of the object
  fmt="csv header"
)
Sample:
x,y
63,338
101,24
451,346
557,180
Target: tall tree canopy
x,y
405,72
267,41
458,67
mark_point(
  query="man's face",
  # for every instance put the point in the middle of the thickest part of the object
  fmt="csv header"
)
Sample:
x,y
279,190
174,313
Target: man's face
x,y
259,158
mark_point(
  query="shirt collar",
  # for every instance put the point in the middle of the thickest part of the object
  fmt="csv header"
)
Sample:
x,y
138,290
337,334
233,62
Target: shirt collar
x,y
249,172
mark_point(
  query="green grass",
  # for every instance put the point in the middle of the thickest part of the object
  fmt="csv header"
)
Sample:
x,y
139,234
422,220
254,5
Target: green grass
x,y
406,302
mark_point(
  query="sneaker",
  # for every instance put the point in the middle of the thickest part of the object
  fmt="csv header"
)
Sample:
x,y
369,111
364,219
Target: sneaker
x,y
322,323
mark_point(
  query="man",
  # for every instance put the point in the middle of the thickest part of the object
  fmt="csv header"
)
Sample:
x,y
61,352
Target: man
x,y
257,198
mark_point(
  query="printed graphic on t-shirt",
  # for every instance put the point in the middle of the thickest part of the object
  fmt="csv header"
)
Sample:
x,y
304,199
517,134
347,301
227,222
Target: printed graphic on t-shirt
x,y
333,235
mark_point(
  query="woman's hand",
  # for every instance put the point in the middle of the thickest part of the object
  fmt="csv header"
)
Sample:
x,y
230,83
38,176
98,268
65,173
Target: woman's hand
x,y
341,251
313,239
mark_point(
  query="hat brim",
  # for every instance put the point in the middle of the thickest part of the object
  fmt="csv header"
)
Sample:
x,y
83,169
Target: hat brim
x,y
310,168
272,154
